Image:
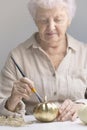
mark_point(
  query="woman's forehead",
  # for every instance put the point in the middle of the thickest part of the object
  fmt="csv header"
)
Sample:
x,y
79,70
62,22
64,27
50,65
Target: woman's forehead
x,y
56,11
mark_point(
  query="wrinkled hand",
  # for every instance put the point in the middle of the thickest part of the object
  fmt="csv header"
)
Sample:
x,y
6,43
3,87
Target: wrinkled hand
x,y
21,89
68,110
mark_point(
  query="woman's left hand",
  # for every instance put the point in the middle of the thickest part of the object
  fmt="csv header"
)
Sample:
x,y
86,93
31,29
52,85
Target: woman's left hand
x,y
68,110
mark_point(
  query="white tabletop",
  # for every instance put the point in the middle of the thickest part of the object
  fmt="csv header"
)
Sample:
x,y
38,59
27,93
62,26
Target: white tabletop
x,y
35,125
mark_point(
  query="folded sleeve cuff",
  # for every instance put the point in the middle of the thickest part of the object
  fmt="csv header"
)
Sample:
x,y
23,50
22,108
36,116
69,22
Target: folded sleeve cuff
x,y
20,109
84,101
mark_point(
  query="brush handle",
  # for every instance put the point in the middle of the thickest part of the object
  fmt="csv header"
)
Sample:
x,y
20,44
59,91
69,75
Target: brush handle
x,y
18,67
33,89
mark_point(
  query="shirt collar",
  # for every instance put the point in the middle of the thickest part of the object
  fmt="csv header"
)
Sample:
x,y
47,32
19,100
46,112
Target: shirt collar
x,y
31,42
72,43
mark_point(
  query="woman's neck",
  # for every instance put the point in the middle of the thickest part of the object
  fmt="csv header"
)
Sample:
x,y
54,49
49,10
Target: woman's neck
x,y
55,48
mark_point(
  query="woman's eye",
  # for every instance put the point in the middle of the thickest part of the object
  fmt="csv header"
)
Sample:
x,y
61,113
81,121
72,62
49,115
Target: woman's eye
x,y
44,21
58,20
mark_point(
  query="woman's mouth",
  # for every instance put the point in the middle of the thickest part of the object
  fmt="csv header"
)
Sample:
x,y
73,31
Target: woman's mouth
x,y
50,33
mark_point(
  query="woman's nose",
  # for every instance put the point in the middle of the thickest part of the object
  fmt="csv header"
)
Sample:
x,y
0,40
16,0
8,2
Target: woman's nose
x,y
51,25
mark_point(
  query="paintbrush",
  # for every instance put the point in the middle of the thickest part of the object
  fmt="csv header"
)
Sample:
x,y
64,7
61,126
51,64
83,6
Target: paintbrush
x,y
22,73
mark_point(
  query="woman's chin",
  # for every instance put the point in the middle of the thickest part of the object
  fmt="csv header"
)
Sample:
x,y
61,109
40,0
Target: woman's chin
x,y
52,40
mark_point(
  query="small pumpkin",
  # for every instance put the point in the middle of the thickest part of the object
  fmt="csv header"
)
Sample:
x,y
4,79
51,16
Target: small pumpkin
x,y
46,111
82,114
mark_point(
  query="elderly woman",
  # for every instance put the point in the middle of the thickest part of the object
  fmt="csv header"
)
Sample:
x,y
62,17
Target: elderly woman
x,y
53,62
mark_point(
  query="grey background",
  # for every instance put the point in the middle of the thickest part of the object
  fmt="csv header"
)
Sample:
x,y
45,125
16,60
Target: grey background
x,y
16,25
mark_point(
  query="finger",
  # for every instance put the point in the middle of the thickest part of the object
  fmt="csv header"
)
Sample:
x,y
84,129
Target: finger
x,y
75,115
26,88
67,112
67,105
67,116
21,86
70,115
64,105
28,81
23,95
25,91
21,90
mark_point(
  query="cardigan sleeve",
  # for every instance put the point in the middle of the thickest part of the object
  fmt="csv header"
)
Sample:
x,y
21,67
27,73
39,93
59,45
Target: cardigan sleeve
x,y
19,111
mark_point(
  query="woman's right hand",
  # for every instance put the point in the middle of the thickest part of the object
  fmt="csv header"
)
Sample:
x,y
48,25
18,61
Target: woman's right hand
x,y
21,89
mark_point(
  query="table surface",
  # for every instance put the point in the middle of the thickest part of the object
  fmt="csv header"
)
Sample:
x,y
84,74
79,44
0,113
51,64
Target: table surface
x,y
36,125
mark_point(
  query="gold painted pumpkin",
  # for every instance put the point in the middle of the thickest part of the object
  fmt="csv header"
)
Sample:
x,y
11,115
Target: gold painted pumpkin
x,y
45,112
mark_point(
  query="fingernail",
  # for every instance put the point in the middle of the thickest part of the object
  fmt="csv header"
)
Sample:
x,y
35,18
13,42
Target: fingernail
x,y
60,111
58,118
63,119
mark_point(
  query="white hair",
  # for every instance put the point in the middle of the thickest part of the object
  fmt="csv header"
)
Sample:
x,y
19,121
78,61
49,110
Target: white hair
x,y
69,4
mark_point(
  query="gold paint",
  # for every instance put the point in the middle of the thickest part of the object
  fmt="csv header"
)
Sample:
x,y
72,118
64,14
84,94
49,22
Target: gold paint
x,y
46,111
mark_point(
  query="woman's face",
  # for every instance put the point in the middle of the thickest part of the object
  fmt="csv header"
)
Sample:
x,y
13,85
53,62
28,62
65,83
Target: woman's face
x,y
52,23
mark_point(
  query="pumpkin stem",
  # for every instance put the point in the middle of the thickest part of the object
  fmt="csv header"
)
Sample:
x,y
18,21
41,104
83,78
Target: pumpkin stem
x,y
45,99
